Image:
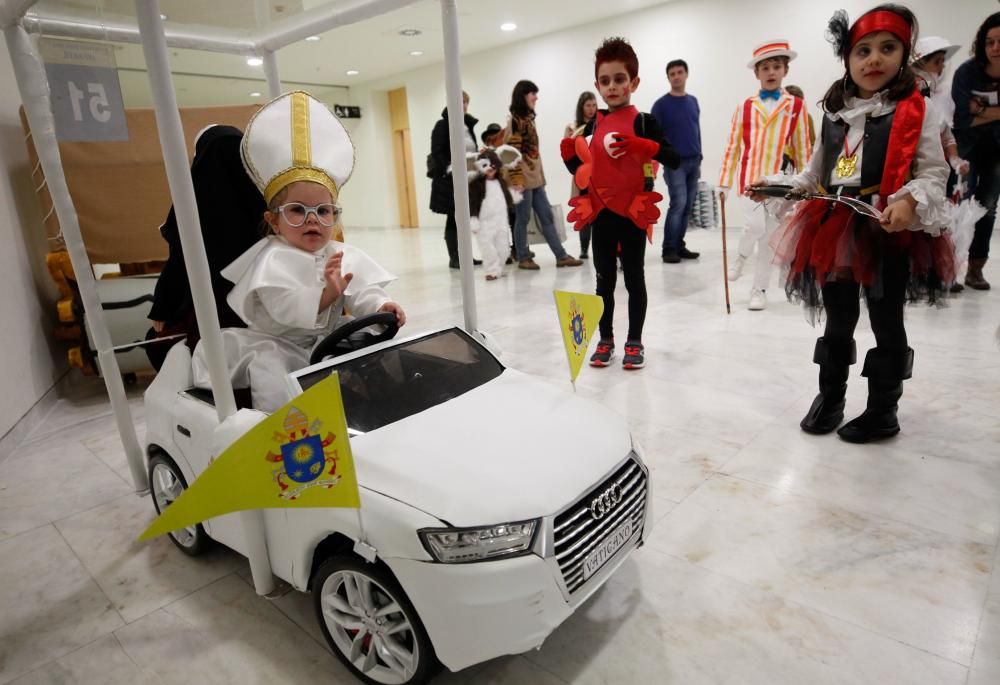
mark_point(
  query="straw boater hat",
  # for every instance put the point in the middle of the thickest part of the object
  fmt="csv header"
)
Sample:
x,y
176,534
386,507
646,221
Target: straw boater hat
x,y
772,48
931,44
295,137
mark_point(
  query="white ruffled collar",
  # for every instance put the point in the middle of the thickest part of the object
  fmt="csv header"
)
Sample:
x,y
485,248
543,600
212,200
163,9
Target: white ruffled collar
x,y
856,109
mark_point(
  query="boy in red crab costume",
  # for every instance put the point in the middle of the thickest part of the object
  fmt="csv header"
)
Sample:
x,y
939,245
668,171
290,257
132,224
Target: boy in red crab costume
x,y
612,164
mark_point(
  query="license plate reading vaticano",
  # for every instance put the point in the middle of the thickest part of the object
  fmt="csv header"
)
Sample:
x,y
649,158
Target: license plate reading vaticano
x,y
607,548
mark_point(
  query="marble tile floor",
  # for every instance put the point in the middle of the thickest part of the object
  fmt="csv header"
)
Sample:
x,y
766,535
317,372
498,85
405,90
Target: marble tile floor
x,y
775,557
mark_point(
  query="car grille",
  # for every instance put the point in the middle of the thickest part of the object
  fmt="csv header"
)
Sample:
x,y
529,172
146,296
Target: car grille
x,y
577,533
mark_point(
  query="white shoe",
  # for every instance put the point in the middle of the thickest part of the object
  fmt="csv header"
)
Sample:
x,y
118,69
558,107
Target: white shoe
x,y
758,300
736,267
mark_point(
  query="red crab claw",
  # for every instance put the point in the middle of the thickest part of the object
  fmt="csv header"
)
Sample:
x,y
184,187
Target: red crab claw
x,y
584,211
579,146
643,210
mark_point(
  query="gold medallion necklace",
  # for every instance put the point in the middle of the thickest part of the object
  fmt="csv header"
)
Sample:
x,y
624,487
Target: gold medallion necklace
x,y
847,163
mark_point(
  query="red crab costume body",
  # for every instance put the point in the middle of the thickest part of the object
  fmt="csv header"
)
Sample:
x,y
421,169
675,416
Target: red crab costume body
x,y
617,183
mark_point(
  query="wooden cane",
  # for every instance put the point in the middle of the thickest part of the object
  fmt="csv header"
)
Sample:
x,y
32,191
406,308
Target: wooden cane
x,y
725,256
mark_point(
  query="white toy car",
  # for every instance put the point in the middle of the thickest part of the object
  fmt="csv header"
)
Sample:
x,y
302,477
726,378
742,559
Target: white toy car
x,y
495,502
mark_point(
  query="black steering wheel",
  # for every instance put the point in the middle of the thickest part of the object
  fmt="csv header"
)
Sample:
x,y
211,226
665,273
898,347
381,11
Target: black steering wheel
x,y
340,341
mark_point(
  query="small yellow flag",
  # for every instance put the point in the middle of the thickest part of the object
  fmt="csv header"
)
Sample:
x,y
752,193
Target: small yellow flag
x,y
579,315
297,457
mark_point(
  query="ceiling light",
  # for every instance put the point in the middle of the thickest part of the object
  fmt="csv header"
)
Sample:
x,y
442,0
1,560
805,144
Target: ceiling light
x,y
255,94
409,33
254,61
416,53
353,72
312,39
509,26
163,17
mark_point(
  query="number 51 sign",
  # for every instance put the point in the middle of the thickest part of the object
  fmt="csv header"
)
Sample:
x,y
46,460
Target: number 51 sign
x,y
86,93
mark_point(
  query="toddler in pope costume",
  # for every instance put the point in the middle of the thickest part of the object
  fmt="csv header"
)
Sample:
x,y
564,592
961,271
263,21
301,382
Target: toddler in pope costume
x,y
292,287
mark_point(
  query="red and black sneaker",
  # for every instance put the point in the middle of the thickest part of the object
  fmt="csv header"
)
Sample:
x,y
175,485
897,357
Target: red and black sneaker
x,y
635,357
604,354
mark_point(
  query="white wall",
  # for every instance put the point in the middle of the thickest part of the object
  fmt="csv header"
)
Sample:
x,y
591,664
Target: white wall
x,y
716,37
30,363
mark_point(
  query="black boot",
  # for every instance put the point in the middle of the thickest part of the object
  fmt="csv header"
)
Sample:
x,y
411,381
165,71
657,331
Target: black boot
x,y
886,372
827,411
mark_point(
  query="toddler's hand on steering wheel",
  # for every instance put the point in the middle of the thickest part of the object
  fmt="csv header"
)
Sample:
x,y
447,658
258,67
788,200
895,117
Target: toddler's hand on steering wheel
x,y
395,309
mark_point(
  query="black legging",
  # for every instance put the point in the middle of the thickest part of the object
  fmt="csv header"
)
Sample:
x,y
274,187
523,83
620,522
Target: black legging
x,y
609,231
585,239
843,306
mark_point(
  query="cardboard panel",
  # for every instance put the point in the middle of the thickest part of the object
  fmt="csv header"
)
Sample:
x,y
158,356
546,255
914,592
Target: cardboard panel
x,y
120,188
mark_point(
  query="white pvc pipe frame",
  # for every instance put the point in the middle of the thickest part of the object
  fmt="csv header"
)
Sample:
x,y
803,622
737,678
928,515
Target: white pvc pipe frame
x,y
34,89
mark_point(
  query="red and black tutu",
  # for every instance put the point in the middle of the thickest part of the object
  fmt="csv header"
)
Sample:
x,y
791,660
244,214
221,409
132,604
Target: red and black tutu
x,y
823,241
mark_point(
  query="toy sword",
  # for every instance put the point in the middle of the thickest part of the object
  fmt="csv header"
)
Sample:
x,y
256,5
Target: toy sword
x,y
789,193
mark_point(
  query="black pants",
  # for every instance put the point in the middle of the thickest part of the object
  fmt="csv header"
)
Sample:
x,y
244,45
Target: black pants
x,y
843,307
609,231
451,236
585,238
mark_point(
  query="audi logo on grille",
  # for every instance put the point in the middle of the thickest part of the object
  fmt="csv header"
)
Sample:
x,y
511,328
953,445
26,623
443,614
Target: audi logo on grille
x,y
605,502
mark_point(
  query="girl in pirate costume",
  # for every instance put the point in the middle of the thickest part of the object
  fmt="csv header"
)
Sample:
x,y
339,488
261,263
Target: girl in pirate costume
x,y
293,286
879,143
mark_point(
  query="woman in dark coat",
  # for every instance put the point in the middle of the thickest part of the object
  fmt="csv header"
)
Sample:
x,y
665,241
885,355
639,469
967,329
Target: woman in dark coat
x,y
230,209
439,171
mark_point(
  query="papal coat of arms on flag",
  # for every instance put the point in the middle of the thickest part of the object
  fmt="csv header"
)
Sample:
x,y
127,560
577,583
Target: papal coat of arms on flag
x,y
578,327
303,455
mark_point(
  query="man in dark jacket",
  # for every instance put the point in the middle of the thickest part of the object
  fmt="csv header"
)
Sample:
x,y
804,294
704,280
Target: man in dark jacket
x,y
439,171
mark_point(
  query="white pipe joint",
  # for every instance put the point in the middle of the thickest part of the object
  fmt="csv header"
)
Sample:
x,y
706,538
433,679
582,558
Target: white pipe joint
x,y
271,73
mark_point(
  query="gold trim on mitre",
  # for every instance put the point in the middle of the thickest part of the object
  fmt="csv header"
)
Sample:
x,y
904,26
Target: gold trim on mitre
x,y
301,148
289,176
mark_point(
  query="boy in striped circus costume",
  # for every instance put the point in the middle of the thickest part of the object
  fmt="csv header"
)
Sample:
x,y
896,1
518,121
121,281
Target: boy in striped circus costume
x,y
770,131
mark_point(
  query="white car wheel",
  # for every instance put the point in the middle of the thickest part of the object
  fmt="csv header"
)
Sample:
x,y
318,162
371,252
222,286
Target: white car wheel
x,y
166,482
370,624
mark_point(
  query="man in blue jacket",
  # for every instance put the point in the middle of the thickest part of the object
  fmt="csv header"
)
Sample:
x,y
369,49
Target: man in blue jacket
x,y
679,114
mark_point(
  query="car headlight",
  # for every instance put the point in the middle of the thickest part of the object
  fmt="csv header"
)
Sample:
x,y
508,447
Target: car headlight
x,y
460,545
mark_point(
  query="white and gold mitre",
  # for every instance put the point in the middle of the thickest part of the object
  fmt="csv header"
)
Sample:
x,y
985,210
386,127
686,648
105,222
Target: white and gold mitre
x,y
295,137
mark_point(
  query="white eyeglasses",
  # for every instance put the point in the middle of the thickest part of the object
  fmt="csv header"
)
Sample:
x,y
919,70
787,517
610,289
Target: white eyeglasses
x,y
296,213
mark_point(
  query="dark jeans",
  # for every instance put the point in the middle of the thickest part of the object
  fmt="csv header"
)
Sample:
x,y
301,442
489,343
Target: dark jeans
x,y
609,231
536,199
682,186
984,181
843,307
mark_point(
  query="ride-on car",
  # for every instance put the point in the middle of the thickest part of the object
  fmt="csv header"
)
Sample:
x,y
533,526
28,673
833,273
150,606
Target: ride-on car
x,y
496,503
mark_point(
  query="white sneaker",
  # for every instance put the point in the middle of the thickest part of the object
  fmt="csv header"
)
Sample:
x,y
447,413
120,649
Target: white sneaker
x,y
758,300
736,267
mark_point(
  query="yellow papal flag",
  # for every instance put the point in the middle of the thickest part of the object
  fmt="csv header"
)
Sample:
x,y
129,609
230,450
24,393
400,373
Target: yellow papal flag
x,y
297,457
579,315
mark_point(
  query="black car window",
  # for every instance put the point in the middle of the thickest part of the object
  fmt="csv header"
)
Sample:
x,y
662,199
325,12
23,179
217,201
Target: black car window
x,y
391,384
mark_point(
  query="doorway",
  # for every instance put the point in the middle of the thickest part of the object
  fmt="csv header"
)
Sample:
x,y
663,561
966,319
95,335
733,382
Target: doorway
x,y
402,155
